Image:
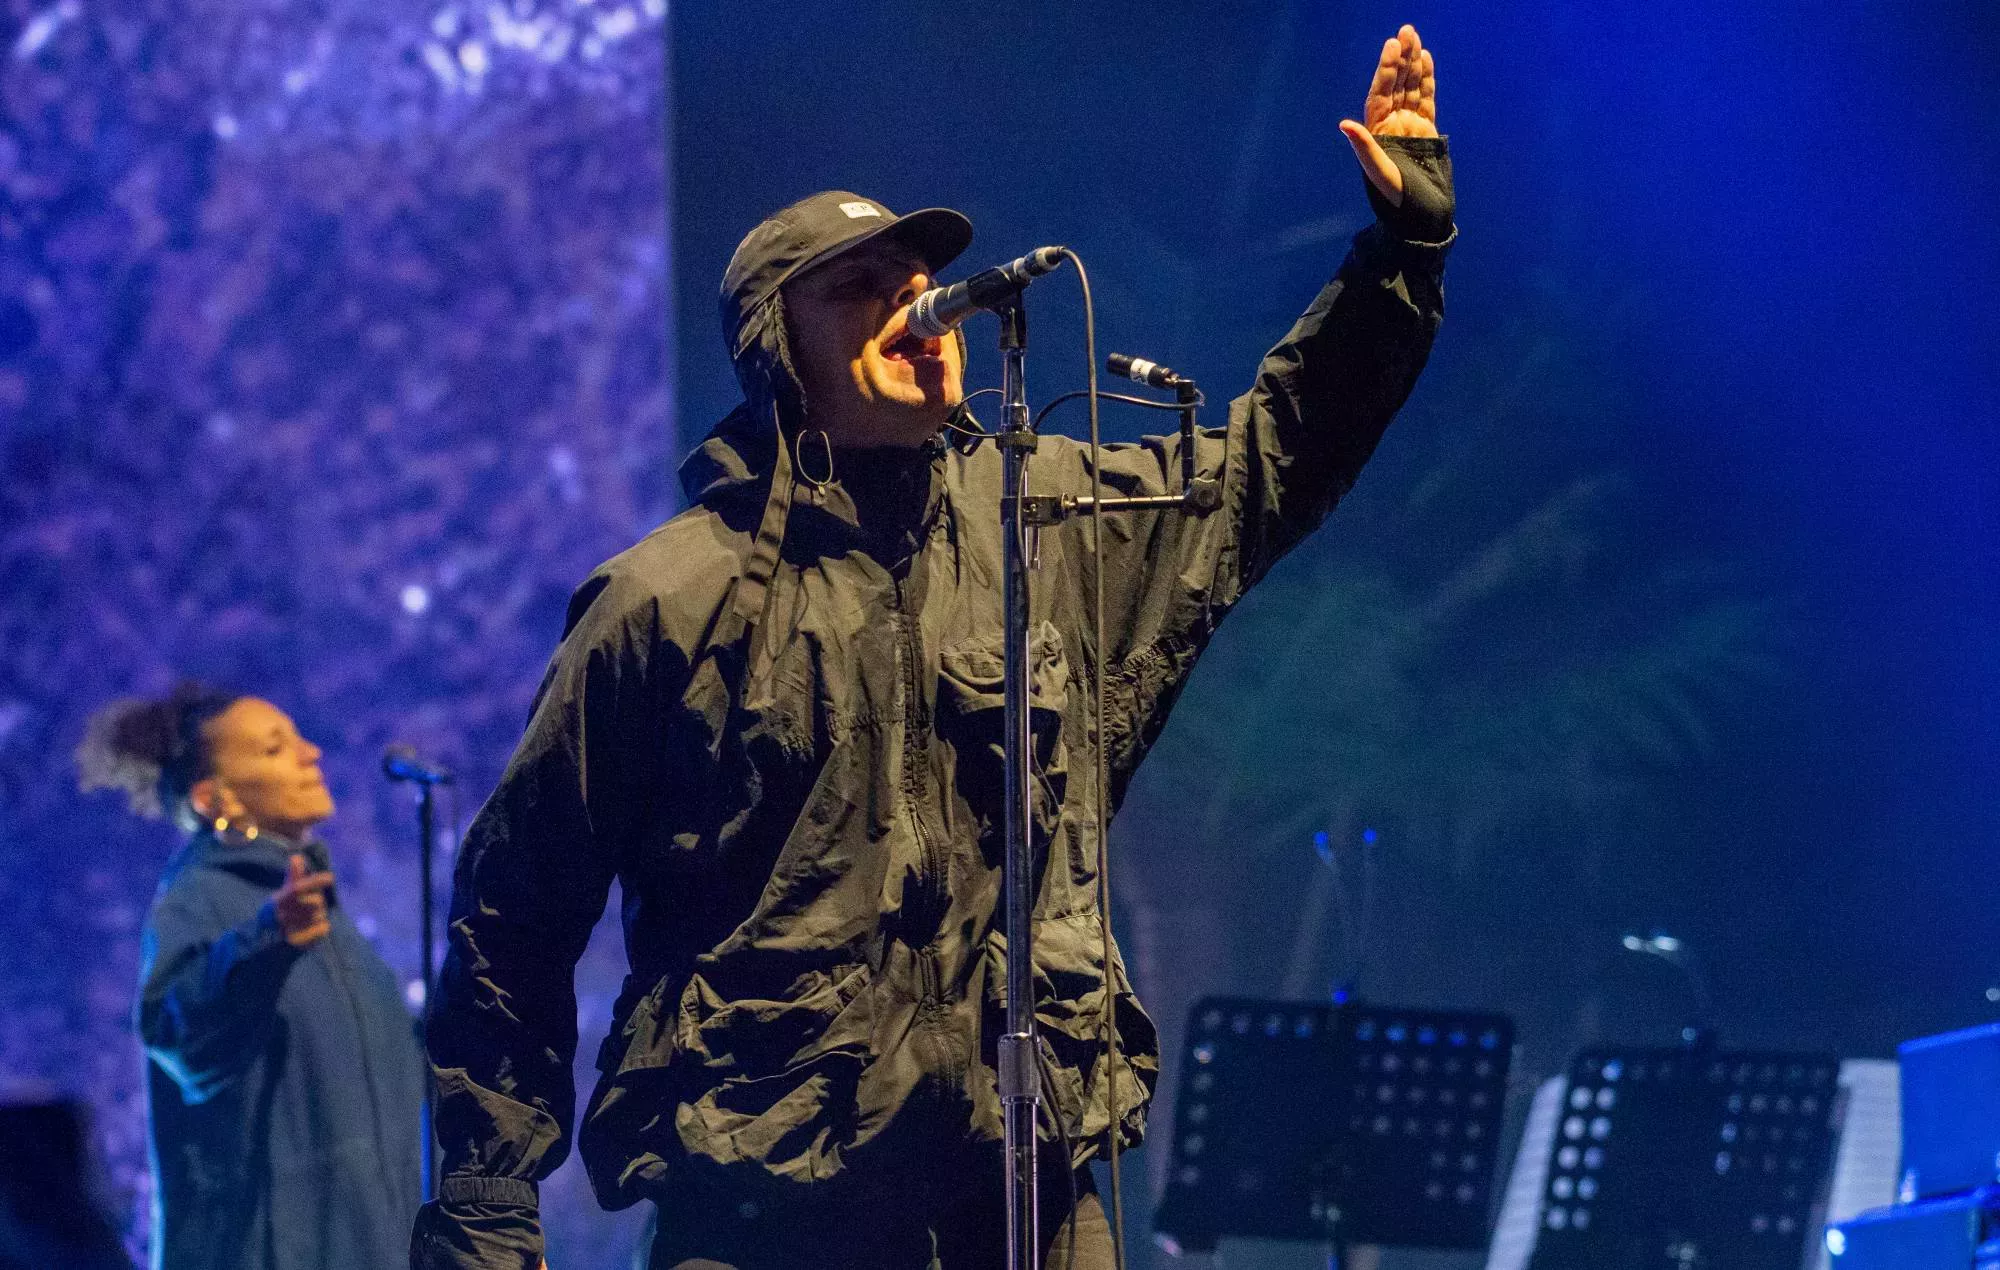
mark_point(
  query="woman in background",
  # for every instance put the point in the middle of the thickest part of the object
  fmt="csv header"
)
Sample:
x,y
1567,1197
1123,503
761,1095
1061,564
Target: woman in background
x,y
284,1080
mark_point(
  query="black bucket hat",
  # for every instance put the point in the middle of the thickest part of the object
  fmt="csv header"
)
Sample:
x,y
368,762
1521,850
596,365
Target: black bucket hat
x,y
813,231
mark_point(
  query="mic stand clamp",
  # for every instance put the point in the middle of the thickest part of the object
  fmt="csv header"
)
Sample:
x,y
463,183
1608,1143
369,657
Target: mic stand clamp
x,y
1199,495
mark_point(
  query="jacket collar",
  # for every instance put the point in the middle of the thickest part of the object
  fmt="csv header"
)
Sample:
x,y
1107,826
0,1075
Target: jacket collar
x,y
884,501
745,470
263,859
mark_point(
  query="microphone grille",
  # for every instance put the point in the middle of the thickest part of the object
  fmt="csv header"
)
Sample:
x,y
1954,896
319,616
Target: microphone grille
x,y
923,321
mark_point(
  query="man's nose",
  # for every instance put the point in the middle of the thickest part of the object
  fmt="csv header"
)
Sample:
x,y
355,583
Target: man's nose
x,y
309,751
913,286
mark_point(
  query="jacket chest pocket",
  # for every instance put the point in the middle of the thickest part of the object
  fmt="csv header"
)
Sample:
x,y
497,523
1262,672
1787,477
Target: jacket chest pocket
x,y
971,718
769,710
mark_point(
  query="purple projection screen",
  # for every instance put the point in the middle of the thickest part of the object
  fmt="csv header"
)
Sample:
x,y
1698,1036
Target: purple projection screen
x,y
333,352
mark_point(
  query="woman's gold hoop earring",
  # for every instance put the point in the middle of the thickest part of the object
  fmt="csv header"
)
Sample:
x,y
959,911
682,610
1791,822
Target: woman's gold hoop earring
x,y
819,483
220,823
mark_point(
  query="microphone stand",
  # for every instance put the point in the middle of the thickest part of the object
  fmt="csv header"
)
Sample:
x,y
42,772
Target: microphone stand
x,y
1020,1090
426,848
399,764
1021,515
1699,1033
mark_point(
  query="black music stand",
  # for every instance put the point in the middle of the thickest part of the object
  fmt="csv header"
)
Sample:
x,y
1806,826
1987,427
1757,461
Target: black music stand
x,y
1350,1124
1689,1159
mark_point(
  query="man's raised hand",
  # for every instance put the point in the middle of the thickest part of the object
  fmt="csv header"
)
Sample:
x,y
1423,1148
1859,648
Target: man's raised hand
x,y
300,904
1402,102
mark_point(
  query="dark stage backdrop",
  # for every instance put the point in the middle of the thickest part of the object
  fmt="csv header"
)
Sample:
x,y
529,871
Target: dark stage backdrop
x,y
332,354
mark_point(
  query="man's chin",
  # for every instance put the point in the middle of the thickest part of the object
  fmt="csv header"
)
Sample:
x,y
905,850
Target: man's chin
x,y
906,435
905,425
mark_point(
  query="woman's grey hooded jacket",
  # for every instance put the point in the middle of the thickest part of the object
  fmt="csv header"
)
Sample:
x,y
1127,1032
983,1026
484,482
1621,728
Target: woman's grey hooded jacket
x,y
284,1085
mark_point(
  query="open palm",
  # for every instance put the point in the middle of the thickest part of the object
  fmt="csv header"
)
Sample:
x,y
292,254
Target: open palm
x,y
1402,102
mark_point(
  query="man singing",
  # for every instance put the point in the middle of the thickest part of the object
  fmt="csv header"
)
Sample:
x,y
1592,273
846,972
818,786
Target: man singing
x,y
777,722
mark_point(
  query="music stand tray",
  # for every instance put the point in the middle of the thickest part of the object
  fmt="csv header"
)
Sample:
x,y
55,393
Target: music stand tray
x,y
1689,1159
1350,1124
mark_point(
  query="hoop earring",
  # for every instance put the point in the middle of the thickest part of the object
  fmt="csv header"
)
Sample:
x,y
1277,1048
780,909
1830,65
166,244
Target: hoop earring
x,y
819,483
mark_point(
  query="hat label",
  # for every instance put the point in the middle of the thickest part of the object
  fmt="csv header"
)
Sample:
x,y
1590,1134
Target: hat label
x,y
856,211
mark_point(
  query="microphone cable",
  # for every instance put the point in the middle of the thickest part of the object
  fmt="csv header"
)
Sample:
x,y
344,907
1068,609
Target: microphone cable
x,y
1107,1015
1126,399
1108,1020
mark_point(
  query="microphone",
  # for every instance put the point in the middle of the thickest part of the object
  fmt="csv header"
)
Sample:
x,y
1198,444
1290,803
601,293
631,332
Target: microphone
x,y
940,309
400,763
1141,371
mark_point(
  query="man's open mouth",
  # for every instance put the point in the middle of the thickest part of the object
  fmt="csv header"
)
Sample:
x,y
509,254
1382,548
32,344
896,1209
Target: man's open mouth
x,y
909,346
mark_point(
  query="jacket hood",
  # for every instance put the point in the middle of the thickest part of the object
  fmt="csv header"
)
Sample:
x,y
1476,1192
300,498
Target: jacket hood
x,y
735,456
742,450
752,448
262,860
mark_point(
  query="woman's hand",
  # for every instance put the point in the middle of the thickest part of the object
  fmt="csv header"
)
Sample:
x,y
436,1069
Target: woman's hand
x,y
300,904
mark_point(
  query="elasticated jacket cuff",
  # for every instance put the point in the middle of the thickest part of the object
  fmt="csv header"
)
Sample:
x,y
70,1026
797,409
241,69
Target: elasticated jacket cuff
x,y
1425,217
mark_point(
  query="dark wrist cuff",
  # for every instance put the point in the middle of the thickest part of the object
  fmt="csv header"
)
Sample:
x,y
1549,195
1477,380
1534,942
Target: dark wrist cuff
x,y
1426,213
516,1191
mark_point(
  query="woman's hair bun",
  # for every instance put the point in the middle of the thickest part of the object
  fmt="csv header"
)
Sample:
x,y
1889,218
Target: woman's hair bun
x,y
150,749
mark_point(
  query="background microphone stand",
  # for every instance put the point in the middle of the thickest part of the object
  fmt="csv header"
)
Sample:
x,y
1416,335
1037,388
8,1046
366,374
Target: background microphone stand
x,y
1021,515
400,763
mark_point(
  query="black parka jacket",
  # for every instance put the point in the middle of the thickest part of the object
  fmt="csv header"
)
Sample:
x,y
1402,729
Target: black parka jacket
x,y
776,721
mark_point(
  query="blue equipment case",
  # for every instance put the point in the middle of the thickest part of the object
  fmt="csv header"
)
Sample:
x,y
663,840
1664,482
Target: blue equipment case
x,y
1935,1234
1951,1112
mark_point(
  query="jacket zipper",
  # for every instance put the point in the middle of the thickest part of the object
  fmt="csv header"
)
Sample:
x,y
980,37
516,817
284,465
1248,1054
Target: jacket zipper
x,y
949,1073
914,757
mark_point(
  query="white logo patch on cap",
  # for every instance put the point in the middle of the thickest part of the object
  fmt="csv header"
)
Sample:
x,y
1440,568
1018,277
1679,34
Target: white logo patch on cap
x,y
856,211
